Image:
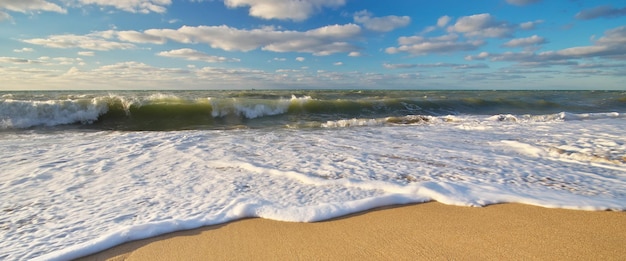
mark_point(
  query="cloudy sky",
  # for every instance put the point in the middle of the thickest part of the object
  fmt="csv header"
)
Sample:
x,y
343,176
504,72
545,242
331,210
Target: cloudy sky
x,y
357,44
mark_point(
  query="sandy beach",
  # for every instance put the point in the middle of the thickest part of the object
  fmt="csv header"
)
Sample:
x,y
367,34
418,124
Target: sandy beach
x,y
429,231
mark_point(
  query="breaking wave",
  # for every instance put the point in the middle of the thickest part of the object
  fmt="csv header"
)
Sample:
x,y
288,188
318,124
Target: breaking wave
x,y
246,109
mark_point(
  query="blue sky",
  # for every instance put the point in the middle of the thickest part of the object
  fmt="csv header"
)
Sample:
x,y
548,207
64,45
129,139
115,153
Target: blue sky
x,y
329,44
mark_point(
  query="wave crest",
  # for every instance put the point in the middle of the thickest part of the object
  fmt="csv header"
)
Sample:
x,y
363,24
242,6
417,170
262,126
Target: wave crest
x,y
26,114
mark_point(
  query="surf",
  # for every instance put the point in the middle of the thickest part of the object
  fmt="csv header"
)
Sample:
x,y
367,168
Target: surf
x,y
185,110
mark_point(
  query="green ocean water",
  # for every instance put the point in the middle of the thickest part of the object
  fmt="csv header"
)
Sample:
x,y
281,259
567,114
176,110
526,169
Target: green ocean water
x,y
182,110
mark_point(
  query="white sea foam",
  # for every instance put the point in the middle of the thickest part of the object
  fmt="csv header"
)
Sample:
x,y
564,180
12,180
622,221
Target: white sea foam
x,y
25,114
68,194
251,109
353,122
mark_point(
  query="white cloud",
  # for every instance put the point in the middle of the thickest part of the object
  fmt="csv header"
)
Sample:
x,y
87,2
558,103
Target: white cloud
x,y
320,41
194,55
528,41
419,45
615,37
522,2
482,25
133,70
399,66
44,60
79,41
296,10
24,6
313,46
480,56
443,21
338,63
605,11
133,6
126,75
355,54
24,50
72,71
16,60
300,59
4,16
134,36
530,25
436,65
611,45
381,24
86,53
66,61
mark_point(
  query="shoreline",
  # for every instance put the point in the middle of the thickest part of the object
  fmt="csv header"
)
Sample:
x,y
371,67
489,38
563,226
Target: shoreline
x,y
424,231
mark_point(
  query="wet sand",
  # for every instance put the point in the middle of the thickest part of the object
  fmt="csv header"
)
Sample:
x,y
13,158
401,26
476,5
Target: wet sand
x,y
429,231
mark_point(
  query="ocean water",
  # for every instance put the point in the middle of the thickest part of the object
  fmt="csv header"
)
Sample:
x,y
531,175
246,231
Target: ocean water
x,y
82,171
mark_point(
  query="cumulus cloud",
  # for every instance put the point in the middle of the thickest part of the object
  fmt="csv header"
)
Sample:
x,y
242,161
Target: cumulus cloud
x,y
482,25
86,53
135,36
4,16
320,41
611,45
300,59
89,42
325,40
16,60
522,2
133,6
605,11
598,66
44,60
523,42
24,50
194,55
134,74
24,6
615,37
480,56
65,61
443,21
530,25
419,45
381,24
297,10
128,75
399,65
435,65
133,67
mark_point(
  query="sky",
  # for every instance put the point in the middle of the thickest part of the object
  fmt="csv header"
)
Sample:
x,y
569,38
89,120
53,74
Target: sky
x,y
312,44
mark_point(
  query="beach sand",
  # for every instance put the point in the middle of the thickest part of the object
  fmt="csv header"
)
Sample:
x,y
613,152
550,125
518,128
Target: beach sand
x,y
429,231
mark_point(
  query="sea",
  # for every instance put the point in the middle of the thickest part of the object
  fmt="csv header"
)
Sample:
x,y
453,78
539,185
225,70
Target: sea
x,y
83,171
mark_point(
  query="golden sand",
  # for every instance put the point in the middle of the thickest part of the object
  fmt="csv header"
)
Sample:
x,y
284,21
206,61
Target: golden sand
x,y
429,231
